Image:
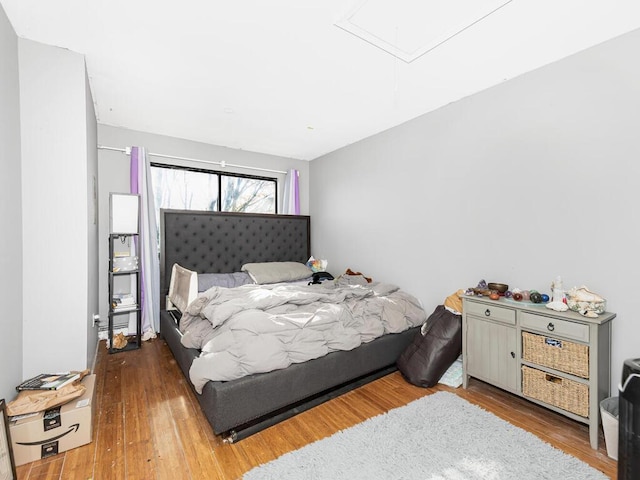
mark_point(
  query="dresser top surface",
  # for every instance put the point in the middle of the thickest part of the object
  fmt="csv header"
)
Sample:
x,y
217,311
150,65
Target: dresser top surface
x,y
540,309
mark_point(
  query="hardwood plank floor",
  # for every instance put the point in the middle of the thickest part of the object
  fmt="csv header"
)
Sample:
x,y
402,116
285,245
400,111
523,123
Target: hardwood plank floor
x,y
149,425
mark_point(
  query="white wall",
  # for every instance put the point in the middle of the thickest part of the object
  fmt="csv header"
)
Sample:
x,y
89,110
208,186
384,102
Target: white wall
x,y
531,179
10,213
56,131
92,193
114,174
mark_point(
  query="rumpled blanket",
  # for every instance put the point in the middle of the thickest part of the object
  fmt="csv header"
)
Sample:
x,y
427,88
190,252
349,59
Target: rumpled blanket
x,y
260,328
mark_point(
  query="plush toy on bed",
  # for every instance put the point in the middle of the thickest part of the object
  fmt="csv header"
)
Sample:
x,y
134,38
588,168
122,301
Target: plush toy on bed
x,y
351,272
317,265
349,277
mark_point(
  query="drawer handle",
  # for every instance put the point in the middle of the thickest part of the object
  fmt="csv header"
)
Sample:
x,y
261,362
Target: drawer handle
x,y
552,379
487,313
551,327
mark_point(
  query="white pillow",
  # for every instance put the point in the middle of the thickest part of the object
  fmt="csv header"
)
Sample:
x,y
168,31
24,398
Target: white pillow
x,y
183,288
275,272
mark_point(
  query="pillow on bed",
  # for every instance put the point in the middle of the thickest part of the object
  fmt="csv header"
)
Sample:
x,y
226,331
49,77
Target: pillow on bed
x,y
275,272
228,280
183,288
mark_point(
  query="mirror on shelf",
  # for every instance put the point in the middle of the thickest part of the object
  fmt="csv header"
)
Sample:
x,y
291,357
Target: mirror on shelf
x,y
124,210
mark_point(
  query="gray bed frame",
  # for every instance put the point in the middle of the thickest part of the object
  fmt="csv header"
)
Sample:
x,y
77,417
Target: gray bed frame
x,y
213,242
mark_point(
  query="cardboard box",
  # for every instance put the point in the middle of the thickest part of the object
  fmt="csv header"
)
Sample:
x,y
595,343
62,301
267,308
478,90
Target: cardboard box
x,y
56,430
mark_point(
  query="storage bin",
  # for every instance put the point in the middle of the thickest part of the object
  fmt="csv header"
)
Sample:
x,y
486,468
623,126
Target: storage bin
x,y
609,412
125,264
562,355
560,392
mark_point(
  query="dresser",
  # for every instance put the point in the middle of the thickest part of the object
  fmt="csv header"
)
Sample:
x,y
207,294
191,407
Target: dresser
x,y
560,360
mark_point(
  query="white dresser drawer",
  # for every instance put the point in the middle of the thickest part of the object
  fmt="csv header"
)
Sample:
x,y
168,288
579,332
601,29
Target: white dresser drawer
x,y
555,326
491,312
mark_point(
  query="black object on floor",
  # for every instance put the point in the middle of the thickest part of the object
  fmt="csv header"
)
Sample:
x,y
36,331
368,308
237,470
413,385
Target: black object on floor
x,y
629,422
433,349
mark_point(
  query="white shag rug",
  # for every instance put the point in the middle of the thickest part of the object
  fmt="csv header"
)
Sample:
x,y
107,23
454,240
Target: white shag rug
x,y
438,437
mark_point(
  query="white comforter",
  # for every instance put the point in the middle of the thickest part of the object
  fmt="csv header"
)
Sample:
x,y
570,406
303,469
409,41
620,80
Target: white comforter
x,y
260,328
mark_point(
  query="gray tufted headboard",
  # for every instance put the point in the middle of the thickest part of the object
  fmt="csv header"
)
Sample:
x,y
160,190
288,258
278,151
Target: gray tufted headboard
x,y
221,242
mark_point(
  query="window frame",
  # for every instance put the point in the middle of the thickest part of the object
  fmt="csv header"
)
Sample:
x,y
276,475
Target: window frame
x,y
220,174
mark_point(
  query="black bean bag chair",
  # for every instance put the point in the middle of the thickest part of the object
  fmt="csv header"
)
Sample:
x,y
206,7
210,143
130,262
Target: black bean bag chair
x,y
433,349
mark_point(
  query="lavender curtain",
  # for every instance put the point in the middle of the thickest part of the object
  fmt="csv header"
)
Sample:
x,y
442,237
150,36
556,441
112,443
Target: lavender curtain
x,y
291,198
148,246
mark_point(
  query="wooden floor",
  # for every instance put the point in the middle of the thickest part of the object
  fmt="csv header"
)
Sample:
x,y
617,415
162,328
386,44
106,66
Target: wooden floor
x,y
148,424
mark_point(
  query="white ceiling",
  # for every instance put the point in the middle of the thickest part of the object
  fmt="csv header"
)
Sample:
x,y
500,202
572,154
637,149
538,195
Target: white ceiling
x,y
281,77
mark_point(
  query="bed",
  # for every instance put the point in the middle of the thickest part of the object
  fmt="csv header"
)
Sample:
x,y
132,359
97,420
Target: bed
x,y
221,243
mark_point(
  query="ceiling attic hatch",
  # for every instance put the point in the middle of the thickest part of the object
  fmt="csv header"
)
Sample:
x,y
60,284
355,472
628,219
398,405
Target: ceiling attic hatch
x,y
407,29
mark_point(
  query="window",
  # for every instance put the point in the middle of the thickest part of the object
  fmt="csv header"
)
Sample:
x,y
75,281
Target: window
x,y
195,189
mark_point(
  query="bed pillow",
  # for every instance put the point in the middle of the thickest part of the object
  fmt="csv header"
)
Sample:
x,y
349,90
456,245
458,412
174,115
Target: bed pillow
x,y
183,288
228,280
275,272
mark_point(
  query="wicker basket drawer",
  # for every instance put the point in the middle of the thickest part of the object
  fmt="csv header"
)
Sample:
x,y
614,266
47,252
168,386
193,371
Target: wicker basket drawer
x,y
562,355
557,391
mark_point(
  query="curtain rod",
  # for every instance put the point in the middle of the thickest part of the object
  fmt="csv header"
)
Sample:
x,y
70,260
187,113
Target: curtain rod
x,y
222,164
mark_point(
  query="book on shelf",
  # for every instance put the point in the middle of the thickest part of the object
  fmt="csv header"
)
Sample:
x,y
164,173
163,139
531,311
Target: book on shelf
x,y
123,301
124,308
48,381
122,296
